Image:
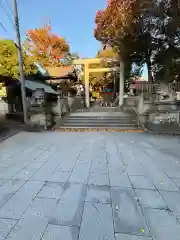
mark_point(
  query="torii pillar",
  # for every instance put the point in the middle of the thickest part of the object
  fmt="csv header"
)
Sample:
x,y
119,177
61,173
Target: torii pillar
x,y
121,84
86,78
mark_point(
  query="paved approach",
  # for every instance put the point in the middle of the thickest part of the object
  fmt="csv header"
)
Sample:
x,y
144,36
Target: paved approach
x,y
90,186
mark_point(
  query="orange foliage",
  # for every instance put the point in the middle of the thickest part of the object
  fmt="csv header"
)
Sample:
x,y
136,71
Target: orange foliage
x,y
113,19
108,52
43,44
118,19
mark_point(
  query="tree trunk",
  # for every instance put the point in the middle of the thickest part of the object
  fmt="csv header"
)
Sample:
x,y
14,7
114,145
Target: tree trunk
x,y
150,77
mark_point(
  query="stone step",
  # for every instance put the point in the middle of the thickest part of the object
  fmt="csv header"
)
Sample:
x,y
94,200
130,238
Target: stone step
x,y
96,129
98,123
100,127
104,109
101,116
100,119
89,124
111,118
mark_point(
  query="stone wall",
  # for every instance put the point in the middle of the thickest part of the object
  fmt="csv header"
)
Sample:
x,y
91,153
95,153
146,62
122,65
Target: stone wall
x,y
158,113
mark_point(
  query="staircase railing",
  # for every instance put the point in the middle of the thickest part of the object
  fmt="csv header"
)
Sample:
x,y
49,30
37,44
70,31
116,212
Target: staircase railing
x,y
140,125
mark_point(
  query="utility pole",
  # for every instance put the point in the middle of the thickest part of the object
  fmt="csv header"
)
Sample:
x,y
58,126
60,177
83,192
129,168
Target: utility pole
x,y
20,58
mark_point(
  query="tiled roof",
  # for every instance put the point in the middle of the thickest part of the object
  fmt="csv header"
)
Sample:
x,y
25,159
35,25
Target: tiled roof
x,y
32,85
60,71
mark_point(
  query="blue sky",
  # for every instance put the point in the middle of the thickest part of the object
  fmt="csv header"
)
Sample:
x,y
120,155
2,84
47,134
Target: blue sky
x,y
73,20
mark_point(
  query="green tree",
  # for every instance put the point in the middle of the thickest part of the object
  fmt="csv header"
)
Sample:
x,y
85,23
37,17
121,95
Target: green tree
x,y
9,60
166,58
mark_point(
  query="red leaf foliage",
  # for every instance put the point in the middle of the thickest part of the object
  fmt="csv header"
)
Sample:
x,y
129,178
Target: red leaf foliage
x,y
118,18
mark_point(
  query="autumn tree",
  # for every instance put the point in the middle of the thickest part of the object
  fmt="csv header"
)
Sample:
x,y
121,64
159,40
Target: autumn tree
x,y
107,52
158,40
166,64
143,31
120,25
45,47
9,60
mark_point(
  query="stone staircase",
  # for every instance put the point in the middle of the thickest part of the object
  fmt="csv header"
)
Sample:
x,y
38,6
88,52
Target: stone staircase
x,y
105,118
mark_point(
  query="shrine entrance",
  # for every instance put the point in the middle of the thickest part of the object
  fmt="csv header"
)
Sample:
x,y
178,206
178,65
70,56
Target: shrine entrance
x,y
98,93
103,94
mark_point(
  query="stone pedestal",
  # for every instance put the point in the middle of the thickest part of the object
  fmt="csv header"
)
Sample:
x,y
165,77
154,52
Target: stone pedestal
x,y
143,107
38,119
70,102
129,103
57,109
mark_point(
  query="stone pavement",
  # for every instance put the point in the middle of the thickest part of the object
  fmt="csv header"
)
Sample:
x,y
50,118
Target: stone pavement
x,y
90,186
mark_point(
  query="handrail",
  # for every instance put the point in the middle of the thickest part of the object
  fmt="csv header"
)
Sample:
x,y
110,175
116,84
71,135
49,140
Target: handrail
x,y
139,124
139,121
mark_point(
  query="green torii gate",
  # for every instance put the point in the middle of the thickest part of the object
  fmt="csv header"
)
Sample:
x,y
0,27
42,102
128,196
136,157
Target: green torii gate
x,y
85,62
